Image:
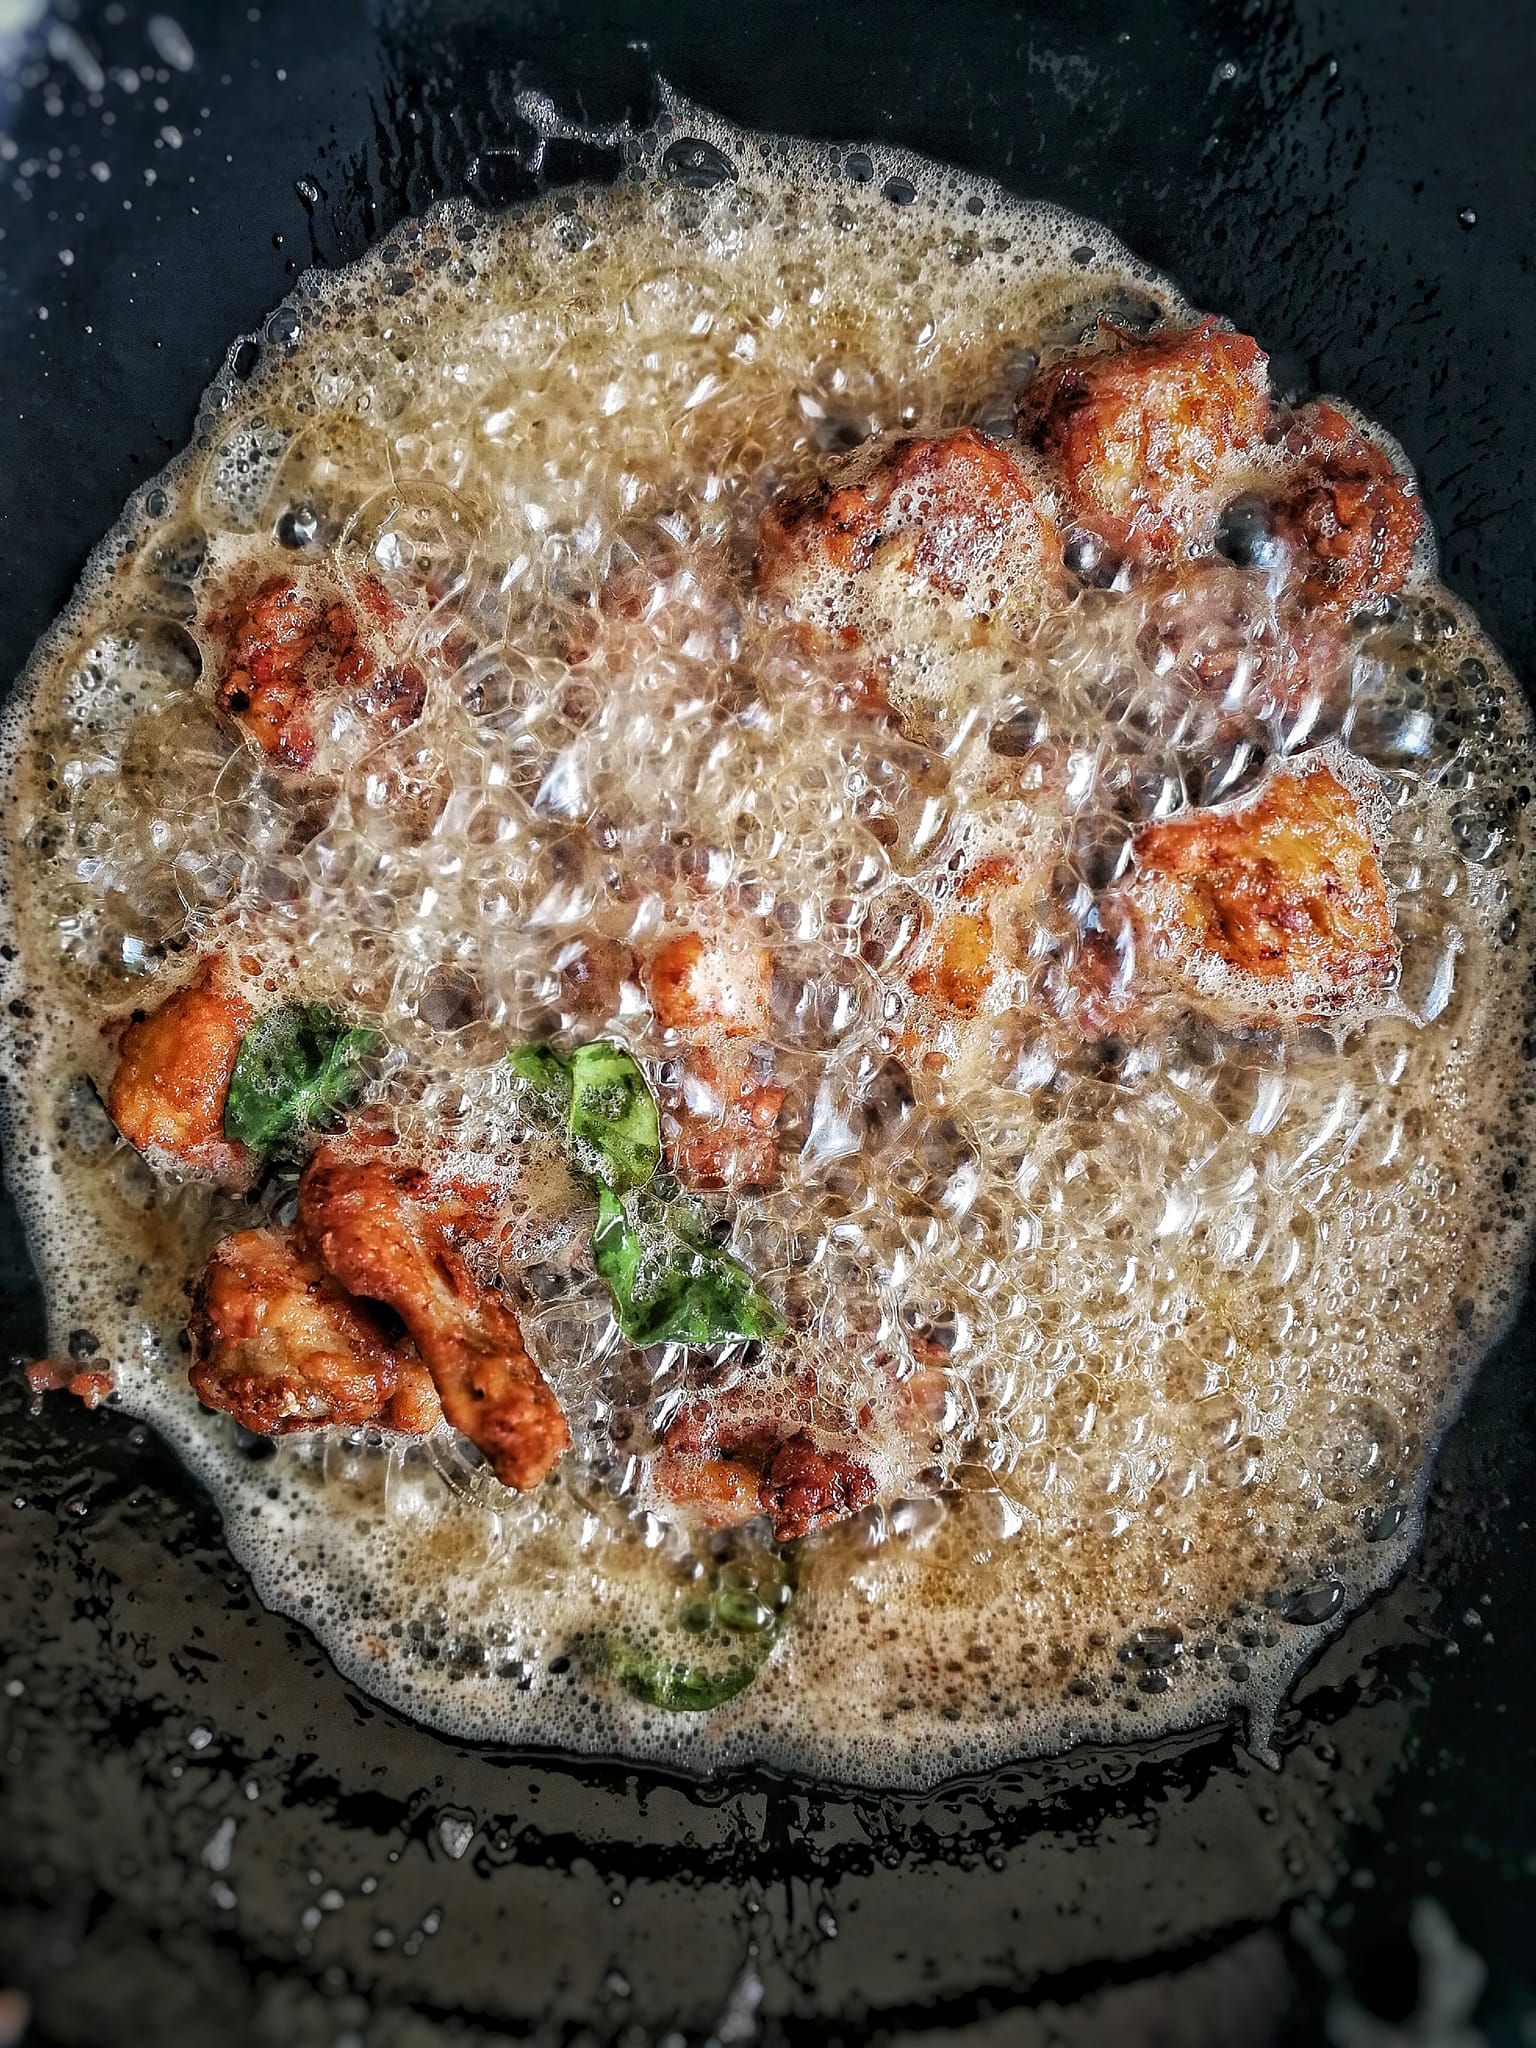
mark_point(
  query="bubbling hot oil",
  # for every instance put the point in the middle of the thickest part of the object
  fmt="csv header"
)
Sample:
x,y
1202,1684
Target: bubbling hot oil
x,y
1205,1301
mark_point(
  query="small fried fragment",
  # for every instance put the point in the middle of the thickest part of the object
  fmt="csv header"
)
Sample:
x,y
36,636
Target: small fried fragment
x,y
168,1094
728,1122
805,1487
702,987
88,1383
982,935
295,652
1352,519
381,1227
954,521
281,1346
1273,907
593,971
1142,431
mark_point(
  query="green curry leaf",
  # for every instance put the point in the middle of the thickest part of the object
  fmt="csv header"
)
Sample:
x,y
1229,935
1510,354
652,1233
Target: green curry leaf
x,y
296,1067
668,1287
602,1099
548,1077
663,1680
614,1111
714,1648
669,1283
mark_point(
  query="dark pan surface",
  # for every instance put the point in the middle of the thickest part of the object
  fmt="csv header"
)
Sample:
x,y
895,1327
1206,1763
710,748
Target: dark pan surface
x,y
205,1836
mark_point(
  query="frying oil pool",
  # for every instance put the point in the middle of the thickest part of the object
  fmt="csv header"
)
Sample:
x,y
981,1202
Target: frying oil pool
x,y
1206,1300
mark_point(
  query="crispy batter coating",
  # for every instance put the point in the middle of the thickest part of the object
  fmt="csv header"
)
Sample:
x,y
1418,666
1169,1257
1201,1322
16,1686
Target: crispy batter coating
x,y
281,1346
1141,432
293,651
379,1227
956,519
1352,519
167,1096
1285,890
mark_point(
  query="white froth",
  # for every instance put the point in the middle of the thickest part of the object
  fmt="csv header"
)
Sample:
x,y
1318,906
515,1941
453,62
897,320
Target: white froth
x,y
1207,1303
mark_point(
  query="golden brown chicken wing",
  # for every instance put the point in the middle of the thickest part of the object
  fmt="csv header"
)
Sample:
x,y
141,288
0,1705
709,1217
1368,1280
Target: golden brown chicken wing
x,y
167,1096
1352,519
281,1346
1143,432
296,651
1276,907
382,1229
955,522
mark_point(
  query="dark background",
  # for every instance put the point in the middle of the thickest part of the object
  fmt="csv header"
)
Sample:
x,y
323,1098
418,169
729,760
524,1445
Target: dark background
x,y
204,1835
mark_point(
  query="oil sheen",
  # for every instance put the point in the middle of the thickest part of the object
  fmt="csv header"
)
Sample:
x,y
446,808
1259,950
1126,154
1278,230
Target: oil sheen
x,y
1204,1307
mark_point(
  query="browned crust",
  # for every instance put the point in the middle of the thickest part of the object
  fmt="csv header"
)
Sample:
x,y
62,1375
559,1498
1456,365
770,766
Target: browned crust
x,y
281,1346
1352,519
168,1093
290,648
1140,432
378,1225
957,513
1286,889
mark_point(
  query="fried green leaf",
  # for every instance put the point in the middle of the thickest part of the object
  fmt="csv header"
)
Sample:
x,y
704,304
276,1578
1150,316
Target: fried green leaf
x,y
599,1095
672,1288
662,1680
548,1077
668,1282
296,1067
614,1112
714,1645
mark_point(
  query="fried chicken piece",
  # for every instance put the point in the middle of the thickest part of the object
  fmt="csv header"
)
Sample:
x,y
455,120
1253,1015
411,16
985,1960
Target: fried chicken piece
x,y
381,1227
805,1487
167,1096
1143,431
716,994
710,987
955,522
1273,907
728,1122
748,1450
281,1346
1352,519
716,1450
294,652
725,1479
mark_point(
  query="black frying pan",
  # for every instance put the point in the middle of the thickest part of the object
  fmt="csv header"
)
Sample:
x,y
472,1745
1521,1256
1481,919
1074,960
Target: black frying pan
x,y
205,1836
